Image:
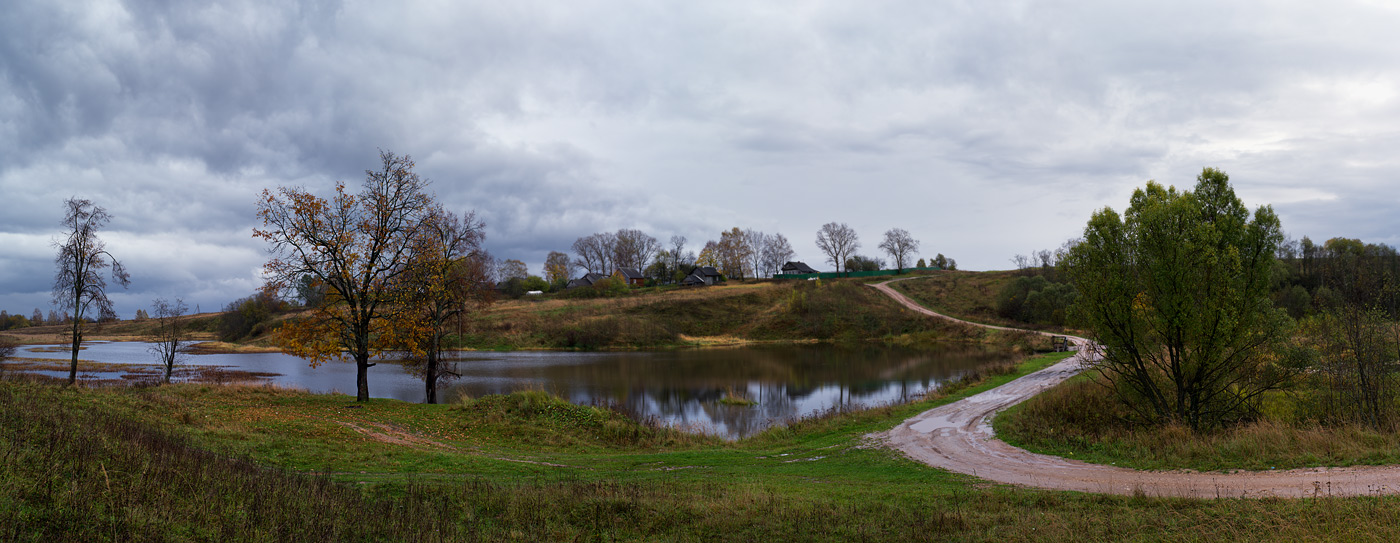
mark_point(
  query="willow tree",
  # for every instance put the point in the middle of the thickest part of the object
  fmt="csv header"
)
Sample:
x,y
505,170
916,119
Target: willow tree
x,y
78,285
355,246
1177,292
447,278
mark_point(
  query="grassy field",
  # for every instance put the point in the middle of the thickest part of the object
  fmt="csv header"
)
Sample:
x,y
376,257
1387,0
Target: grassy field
x,y
196,463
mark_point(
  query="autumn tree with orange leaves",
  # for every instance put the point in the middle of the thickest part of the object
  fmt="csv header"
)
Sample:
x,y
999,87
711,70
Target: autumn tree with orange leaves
x,y
448,277
357,247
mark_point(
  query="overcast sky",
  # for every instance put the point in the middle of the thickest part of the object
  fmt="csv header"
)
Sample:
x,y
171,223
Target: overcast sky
x,y
985,129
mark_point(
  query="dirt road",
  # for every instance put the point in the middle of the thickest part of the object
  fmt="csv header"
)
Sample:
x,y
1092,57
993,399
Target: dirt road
x,y
958,437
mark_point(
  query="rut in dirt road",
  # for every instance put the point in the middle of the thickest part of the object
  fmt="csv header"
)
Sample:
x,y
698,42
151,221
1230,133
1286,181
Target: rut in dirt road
x,y
958,437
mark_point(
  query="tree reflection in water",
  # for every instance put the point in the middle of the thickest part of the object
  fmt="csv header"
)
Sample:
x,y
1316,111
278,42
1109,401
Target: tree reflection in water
x,y
682,387
685,387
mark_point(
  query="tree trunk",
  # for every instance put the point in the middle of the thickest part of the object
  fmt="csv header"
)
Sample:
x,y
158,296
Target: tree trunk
x,y
362,377
430,380
77,343
169,361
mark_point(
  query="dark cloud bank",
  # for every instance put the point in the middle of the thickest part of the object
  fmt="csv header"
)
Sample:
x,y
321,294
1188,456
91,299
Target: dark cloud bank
x,y
985,130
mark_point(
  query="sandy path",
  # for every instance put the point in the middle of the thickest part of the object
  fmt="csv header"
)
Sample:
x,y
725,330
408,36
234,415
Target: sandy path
x,y
958,437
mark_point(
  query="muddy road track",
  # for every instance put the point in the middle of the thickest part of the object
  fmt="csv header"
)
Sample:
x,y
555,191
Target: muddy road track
x,y
958,437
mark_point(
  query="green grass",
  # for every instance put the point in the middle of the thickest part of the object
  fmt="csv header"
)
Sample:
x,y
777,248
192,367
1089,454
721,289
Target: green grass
x,y
169,463
190,462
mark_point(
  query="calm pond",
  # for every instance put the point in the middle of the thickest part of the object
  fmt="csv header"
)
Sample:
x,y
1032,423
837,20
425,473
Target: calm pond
x,y
682,388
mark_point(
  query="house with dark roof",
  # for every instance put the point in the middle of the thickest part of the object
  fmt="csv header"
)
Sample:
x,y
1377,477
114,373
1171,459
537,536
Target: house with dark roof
x,y
631,277
708,274
797,268
586,281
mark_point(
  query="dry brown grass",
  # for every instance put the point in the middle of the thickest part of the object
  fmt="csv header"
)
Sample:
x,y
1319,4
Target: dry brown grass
x,y
967,295
200,327
1083,420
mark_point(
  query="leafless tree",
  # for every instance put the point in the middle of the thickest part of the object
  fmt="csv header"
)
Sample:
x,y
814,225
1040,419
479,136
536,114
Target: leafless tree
x,y
171,341
838,242
900,246
757,242
776,252
356,245
677,251
595,252
79,285
633,249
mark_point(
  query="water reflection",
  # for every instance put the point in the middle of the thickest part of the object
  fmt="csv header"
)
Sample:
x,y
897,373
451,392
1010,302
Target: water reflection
x,y
684,388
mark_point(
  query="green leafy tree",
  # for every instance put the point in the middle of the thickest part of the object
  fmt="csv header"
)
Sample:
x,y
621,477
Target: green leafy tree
x,y
1177,292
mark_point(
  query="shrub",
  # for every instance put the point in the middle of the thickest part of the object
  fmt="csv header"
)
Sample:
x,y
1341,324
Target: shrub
x,y
249,316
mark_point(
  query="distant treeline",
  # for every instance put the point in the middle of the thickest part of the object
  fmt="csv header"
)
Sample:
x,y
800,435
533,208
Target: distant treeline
x,y
17,320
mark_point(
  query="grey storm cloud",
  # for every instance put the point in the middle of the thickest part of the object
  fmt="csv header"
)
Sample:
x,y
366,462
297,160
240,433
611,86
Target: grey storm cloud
x,y
985,129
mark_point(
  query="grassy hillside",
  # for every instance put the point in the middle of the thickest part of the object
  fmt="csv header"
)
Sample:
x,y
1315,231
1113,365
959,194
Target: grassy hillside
x,y
203,327
830,310
967,295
